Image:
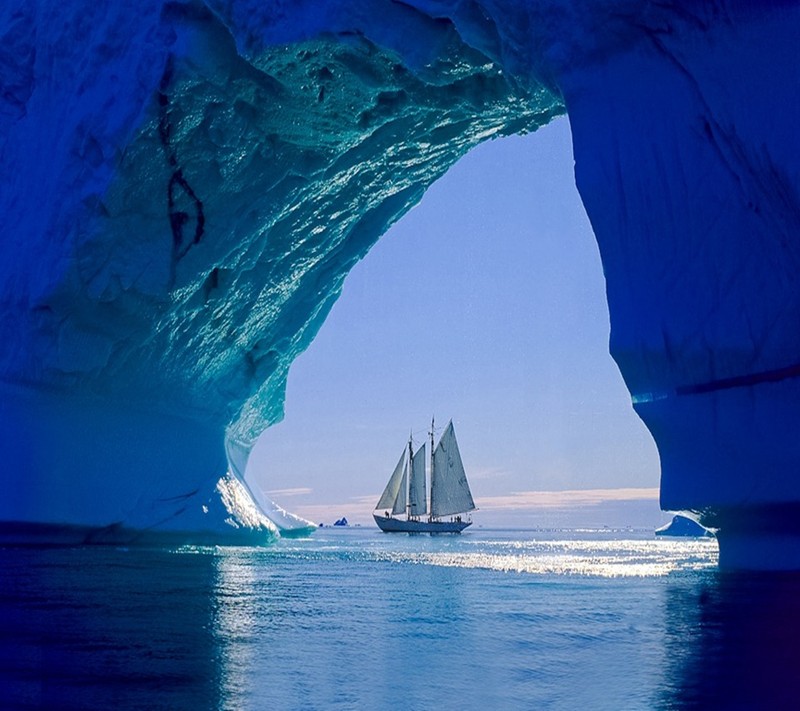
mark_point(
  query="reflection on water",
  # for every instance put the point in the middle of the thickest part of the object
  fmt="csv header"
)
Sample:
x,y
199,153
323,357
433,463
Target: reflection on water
x,y
732,642
98,628
343,623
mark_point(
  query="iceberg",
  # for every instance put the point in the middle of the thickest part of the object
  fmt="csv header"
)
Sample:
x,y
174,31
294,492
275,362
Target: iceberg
x,y
682,526
186,184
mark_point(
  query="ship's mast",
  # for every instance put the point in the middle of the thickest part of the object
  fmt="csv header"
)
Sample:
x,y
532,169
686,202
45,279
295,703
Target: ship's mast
x,y
430,514
410,474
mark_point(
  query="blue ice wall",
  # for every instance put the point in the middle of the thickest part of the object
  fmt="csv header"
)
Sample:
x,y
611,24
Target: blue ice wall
x,y
186,184
688,163
189,184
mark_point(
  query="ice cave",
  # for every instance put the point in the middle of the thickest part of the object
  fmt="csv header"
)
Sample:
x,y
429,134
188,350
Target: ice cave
x,y
186,184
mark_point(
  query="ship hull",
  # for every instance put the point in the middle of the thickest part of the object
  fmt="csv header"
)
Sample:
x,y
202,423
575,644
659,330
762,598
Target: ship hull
x,y
397,525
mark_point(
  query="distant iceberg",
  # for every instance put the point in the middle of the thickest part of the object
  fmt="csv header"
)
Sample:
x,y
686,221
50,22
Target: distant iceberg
x,y
684,526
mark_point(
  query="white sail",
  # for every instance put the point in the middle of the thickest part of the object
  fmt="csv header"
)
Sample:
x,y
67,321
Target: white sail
x,y
416,490
402,495
395,490
450,492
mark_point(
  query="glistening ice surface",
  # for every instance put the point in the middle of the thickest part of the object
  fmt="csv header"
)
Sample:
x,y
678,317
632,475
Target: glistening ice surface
x,y
208,173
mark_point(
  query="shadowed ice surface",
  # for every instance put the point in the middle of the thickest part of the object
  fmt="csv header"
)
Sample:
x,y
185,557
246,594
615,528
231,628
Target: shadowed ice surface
x,y
358,619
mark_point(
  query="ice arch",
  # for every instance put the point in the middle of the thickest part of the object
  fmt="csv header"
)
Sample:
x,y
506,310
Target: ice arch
x,y
186,184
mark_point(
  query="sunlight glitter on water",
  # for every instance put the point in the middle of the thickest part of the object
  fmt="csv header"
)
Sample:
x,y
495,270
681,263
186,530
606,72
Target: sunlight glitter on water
x,y
608,559
605,567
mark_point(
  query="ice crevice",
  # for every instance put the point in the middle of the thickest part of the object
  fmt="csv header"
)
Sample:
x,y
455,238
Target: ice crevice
x,y
187,184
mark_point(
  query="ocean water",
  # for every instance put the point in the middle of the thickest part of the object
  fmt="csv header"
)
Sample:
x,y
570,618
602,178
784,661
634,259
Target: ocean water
x,y
357,619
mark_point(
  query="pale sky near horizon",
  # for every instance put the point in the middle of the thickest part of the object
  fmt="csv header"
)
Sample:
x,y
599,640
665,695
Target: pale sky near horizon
x,y
484,304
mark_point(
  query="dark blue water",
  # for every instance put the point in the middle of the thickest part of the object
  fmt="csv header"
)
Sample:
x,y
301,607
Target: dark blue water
x,y
356,619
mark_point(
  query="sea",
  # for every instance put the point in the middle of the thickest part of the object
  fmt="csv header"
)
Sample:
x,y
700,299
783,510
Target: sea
x,y
352,618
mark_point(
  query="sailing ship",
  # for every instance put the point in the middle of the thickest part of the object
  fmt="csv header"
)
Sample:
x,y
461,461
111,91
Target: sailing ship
x,y
405,502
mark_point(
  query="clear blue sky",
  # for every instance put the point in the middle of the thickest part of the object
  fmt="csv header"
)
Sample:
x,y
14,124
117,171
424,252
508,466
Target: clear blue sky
x,y
484,304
